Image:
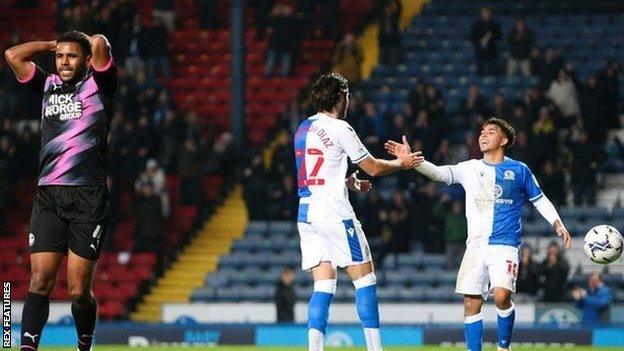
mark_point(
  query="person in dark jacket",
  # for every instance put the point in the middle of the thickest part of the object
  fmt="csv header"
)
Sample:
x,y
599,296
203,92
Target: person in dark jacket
x,y
554,274
521,41
389,33
585,156
593,112
553,182
484,34
148,218
285,36
528,272
595,301
285,296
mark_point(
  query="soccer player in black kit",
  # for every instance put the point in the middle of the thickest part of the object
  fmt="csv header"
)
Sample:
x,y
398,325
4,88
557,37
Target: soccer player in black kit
x,y
70,208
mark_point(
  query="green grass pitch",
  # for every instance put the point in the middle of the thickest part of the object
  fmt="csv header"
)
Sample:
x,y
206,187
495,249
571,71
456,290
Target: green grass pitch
x,y
259,348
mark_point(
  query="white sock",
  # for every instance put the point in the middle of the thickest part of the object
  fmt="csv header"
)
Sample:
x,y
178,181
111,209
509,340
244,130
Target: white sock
x,y
373,339
315,340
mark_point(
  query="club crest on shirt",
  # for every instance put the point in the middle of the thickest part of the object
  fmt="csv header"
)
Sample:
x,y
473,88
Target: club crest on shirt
x,y
509,175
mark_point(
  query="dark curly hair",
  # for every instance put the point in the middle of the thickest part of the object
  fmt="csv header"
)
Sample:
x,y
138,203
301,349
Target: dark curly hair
x,y
76,36
508,130
327,90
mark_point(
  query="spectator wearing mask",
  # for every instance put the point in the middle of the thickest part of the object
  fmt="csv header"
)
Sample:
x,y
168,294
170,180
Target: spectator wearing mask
x,y
528,272
285,296
485,32
347,58
553,274
595,301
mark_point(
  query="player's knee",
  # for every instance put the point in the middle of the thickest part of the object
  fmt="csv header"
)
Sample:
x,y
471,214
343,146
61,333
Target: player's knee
x,y
42,283
472,306
502,301
80,295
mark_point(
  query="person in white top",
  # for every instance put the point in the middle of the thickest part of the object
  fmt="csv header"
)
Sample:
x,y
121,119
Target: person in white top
x,y
331,235
496,190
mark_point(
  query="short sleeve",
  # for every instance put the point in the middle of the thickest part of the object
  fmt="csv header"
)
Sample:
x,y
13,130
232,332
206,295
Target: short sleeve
x,y
531,186
35,80
106,78
351,143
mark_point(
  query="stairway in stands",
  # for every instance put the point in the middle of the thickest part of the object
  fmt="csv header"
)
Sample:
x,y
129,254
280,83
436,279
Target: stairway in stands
x,y
198,258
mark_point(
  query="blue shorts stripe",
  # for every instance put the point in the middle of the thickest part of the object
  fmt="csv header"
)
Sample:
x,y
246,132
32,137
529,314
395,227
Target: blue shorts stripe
x,y
353,240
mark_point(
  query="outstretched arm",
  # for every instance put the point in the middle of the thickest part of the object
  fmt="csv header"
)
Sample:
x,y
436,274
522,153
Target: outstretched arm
x,y
548,211
405,160
437,173
19,57
100,52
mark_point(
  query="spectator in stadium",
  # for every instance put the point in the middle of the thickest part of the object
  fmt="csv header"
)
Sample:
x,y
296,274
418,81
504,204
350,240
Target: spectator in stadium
x,y
537,62
285,296
534,101
562,92
148,219
585,157
451,213
417,98
484,34
523,150
330,21
155,175
395,234
283,28
254,188
528,272
428,229
553,183
135,46
372,128
389,33
519,119
370,210
609,82
262,8
500,107
553,62
544,139
165,12
593,112
474,107
158,55
553,274
347,58
595,301
190,173
521,41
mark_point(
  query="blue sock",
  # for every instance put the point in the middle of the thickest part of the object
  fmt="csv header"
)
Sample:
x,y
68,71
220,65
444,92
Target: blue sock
x,y
473,332
505,326
367,306
318,310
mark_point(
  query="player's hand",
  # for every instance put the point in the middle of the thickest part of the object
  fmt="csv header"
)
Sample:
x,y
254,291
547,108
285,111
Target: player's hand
x,y
561,231
395,149
358,185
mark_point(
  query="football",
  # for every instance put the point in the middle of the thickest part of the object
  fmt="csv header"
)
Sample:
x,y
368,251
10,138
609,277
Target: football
x,y
603,244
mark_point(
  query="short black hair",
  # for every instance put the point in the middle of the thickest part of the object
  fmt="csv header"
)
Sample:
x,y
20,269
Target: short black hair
x,y
508,130
76,36
327,90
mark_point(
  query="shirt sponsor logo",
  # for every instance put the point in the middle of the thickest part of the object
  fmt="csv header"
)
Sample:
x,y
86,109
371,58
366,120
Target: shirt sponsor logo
x,y
64,106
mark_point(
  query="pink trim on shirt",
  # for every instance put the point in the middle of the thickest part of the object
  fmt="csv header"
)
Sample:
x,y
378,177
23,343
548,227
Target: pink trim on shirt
x,y
106,66
33,69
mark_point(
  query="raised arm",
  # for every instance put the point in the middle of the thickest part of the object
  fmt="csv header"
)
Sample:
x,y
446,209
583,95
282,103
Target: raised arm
x,y
100,52
19,57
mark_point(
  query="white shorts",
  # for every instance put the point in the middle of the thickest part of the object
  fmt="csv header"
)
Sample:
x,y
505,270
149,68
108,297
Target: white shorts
x,y
486,268
342,244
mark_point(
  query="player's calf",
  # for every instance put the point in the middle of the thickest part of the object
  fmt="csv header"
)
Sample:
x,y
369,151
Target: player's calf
x,y
368,309
473,322
505,309
318,312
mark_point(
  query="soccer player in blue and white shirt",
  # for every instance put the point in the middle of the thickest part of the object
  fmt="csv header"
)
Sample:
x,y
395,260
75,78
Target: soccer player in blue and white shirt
x,y
496,189
330,234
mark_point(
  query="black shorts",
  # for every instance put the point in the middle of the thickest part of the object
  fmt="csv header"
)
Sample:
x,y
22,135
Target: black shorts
x,y
69,217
